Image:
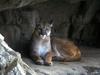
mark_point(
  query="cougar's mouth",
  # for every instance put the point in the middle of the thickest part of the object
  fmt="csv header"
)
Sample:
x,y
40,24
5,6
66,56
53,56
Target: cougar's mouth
x,y
43,36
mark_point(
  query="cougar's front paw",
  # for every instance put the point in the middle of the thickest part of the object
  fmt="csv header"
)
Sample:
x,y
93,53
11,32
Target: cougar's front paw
x,y
39,62
48,59
48,63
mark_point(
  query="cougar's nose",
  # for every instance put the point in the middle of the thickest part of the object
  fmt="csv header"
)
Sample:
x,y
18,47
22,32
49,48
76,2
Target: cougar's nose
x,y
43,32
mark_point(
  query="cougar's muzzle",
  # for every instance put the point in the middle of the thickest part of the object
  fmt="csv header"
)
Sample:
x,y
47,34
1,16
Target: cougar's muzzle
x,y
43,34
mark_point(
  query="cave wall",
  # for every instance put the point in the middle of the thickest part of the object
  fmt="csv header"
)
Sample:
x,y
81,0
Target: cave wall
x,y
78,21
17,25
12,4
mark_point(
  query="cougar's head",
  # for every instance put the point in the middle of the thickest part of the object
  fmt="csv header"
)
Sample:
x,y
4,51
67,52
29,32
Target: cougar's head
x,y
44,29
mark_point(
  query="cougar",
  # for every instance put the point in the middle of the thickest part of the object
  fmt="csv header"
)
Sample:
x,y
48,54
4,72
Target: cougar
x,y
45,49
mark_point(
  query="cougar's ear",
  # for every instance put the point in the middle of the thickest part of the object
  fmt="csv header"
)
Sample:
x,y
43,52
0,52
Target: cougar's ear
x,y
51,23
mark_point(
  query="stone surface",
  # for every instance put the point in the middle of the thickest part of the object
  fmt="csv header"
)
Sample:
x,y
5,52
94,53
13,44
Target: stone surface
x,y
12,4
17,26
89,65
11,62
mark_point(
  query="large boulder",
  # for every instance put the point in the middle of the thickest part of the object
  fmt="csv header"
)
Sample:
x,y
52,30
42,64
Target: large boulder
x,y
11,62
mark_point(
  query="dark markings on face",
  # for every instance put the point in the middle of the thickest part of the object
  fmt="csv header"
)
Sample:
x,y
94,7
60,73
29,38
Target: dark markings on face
x,y
44,29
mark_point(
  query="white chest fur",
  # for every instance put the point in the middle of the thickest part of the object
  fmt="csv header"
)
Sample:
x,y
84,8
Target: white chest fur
x,y
42,50
43,47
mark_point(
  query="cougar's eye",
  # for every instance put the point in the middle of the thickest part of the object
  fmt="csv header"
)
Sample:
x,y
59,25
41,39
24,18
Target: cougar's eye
x,y
40,29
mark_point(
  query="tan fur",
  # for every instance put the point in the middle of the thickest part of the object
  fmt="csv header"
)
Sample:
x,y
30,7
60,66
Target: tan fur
x,y
48,58
67,49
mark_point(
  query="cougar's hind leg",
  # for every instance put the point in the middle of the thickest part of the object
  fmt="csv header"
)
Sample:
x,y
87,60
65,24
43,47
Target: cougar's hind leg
x,y
48,59
57,58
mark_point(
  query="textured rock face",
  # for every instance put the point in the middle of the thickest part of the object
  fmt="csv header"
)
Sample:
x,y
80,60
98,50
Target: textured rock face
x,y
9,4
11,62
17,26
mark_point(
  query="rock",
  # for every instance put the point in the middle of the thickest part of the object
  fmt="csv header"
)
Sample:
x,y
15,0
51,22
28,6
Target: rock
x,y
17,27
11,4
11,62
